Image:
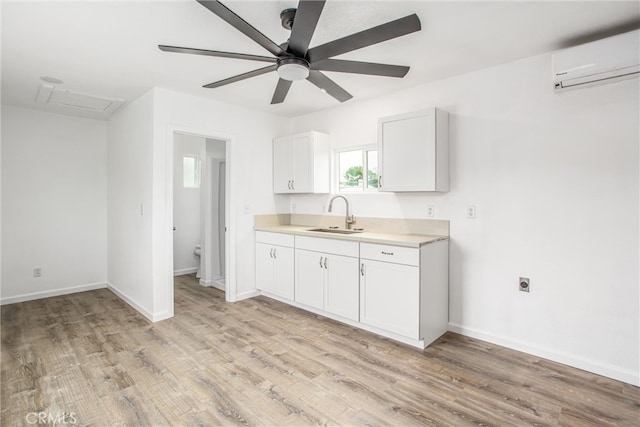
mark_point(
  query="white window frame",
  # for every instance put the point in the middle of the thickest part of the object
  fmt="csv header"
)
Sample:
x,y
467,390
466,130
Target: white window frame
x,y
365,149
196,172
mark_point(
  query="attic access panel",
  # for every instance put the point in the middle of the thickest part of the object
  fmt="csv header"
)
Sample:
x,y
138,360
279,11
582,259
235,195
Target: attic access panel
x,y
53,96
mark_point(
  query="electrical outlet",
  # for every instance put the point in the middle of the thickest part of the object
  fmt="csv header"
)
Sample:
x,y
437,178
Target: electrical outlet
x,y
247,209
431,211
523,284
471,211
37,272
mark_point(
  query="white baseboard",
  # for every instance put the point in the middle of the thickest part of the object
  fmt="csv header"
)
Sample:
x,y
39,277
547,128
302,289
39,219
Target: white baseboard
x,y
213,284
244,295
162,316
150,316
205,283
600,368
184,271
52,293
130,301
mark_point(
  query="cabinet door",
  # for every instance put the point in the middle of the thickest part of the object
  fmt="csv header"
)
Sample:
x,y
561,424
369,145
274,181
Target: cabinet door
x,y
302,164
309,281
390,297
284,272
264,267
282,161
407,152
342,286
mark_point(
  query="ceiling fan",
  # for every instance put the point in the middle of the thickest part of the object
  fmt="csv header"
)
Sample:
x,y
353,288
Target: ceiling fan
x,y
293,60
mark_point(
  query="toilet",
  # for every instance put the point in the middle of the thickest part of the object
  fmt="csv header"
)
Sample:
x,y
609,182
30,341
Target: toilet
x,y
197,251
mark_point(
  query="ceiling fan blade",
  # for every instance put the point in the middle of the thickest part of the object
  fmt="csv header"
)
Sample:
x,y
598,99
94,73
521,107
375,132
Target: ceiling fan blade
x,y
281,91
388,31
304,25
329,86
216,53
240,77
355,67
243,26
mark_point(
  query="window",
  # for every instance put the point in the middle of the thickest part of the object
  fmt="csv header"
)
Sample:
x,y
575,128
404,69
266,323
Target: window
x,y
358,169
191,171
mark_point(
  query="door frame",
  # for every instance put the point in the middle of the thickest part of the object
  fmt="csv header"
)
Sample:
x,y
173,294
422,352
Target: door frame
x,y
230,205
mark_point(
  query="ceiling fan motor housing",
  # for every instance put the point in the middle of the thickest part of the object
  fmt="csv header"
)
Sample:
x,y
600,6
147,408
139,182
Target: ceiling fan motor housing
x,y
286,17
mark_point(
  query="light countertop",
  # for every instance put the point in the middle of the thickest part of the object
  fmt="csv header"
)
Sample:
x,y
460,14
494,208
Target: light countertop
x,y
380,237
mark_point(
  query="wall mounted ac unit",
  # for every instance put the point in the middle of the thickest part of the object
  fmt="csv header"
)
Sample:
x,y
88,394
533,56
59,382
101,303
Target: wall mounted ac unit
x,y
603,61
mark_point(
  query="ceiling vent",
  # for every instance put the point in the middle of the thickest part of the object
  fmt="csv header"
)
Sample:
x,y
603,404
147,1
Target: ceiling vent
x,y
55,97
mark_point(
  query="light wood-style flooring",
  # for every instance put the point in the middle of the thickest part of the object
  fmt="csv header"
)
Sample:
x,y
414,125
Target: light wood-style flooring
x,y
260,362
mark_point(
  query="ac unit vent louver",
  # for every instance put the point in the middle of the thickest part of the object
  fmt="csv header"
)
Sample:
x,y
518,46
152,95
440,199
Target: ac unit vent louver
x,y
603,61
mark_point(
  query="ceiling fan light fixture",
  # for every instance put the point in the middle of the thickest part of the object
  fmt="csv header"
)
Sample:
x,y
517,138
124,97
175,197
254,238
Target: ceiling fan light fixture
x,y
293,69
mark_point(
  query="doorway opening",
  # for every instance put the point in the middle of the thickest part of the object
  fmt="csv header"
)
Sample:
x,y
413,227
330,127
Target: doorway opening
x,y
201,209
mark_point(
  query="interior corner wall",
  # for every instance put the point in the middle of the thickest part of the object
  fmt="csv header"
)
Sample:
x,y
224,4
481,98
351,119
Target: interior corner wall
x,y
129,205
555,181
251,133
54,192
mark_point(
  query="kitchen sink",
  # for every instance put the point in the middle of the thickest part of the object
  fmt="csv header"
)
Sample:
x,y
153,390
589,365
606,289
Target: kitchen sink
x,y
336,230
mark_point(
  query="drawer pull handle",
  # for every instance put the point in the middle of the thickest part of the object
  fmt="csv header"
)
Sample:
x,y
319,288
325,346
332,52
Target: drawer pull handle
x,y
325,262
362,269
271,253
274,253
387,253
320,262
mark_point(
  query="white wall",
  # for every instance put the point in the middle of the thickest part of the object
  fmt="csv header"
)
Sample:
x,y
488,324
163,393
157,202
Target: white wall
x,y
210,264
130,209
250,133
555,181
186,206
54,189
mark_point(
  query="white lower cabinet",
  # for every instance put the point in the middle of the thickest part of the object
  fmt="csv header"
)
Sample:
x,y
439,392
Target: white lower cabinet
x,y
390,297
395,291
327,278
310,278
275,264
405,291
341,290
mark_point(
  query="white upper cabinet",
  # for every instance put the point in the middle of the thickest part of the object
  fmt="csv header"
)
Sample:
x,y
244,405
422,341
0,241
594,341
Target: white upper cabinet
x,y
301,163
413,151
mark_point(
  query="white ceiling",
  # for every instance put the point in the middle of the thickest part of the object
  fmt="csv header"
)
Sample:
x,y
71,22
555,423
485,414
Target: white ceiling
x,y
109,48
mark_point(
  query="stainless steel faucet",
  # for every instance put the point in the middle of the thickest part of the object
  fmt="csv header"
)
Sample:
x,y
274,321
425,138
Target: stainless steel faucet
x,y
349,219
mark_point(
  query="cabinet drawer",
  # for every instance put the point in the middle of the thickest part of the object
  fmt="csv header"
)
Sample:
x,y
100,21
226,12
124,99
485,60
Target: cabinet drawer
x,y
387,253
331,246
278,239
